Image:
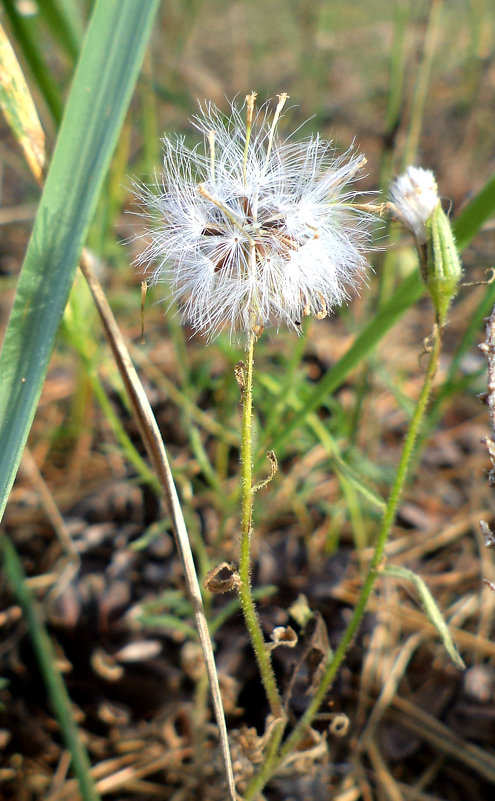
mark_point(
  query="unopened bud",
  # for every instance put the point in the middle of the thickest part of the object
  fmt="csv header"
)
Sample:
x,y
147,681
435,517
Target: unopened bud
x,y
442,266
415,202
414,196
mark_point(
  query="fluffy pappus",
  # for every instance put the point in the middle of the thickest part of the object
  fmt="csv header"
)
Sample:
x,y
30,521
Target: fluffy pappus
x,y
252,231
414,196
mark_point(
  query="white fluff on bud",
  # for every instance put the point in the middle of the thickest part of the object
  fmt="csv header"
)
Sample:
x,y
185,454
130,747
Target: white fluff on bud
x,y
254,231
414,197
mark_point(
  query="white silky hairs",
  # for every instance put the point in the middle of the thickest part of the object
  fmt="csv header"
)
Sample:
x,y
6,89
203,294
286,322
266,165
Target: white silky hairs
x,y
249,230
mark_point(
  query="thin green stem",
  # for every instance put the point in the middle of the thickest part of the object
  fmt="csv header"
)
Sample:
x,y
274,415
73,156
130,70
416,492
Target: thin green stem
x,y
337,658
422,83
245,592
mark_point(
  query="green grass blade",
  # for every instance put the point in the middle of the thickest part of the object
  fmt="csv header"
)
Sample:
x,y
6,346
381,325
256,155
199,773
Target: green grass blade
x,y
465,228
422,83
430,607
46,659
397,66
410,291
19,110
346,472
65,22
478,211
25,32
111,56
324,436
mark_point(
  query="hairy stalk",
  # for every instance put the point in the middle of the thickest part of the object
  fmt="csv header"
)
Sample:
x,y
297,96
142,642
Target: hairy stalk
x,y
245,591
337,658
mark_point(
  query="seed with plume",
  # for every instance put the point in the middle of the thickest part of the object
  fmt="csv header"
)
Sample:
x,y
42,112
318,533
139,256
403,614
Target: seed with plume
x,y
253,230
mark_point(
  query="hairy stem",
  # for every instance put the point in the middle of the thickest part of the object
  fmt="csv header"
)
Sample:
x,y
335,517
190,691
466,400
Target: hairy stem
x,y
245,591
337,658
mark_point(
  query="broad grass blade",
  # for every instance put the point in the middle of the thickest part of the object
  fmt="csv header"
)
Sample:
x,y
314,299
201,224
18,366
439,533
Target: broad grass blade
x,y
110,60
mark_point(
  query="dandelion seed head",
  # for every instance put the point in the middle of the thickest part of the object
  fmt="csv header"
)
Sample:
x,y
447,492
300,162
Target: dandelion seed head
x,y
414,196
252,231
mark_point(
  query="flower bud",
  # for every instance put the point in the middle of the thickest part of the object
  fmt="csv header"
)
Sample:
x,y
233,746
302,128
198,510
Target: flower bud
x,y
442,266
414,195
416,204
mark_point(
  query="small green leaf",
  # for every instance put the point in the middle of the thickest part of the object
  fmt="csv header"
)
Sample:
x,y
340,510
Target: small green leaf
x,y
430,607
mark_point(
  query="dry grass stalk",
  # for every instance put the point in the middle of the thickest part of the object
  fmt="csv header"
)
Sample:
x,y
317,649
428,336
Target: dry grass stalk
x,y
155,448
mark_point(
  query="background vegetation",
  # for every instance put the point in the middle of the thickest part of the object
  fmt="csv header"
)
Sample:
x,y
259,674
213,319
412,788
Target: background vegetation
x,y
410,83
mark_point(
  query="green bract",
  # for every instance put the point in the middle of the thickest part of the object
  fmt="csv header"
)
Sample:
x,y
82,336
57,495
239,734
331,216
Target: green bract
x,y
442,265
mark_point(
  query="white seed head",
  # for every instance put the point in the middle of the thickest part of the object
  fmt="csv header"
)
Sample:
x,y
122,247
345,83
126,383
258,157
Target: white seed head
x,y
414,196
254,231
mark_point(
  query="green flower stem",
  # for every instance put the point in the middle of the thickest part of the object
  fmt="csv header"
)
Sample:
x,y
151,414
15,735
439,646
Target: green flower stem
x,y
337,658
245,592
54,683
